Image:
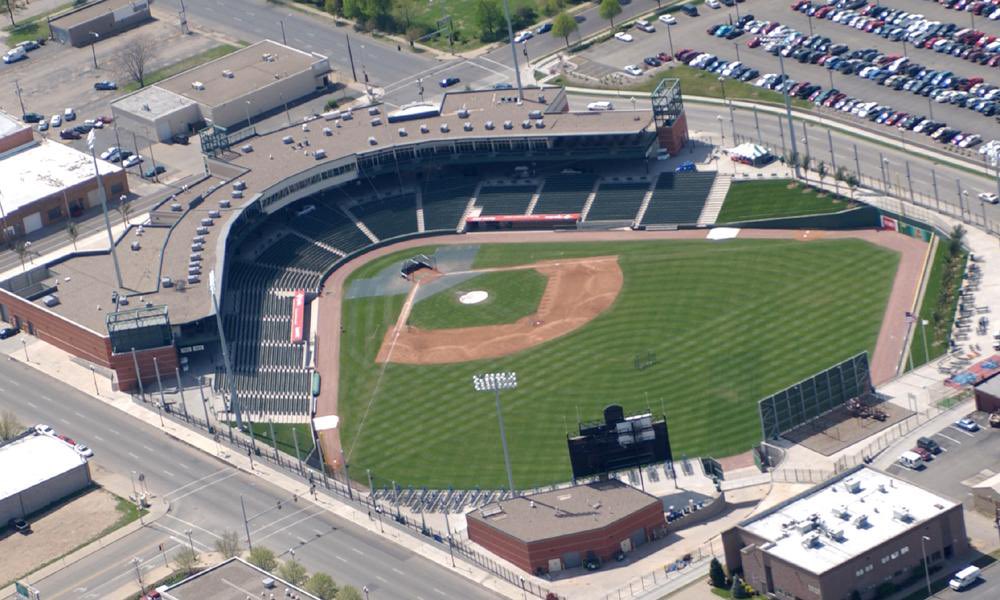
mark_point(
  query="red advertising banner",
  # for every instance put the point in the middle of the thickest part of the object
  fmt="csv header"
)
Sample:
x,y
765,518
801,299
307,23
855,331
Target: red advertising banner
x,y
525,218
889,223
298,314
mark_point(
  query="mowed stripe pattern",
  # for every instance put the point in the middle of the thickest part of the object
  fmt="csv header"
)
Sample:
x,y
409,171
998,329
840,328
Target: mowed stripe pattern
x,y
728,322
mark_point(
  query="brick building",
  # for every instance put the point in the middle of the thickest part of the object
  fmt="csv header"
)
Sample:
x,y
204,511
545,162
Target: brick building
x,y
988,395
863,531
560,529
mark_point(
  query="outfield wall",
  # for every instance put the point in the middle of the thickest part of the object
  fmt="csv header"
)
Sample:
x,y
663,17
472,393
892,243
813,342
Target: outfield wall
x,y
863,217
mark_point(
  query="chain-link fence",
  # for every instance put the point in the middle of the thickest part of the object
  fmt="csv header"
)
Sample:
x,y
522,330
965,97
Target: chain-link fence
x,y
696,561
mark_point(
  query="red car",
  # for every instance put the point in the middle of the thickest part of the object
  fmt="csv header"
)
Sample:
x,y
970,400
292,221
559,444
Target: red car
x,y
753,42
66,439
664,57
925,455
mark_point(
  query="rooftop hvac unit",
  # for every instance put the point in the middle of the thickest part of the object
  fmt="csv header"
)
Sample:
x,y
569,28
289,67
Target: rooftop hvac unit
x,y
224,203
202,231
197,247
467,126
852,486
463,113
835,534
347,115
319,154
207,222
402,132
541,99
268,57
376,122
198,239
195,257
424,128
539,124
327,131
901,513
508,125
194,269
246,148
239,185
237,194
535,114
444,128
489,125
198,85
176,207
526,124
167,282
841,512
227,74
805,526
287,140
135,245
372,141
810,541
372,110
193,279
215,214
305,127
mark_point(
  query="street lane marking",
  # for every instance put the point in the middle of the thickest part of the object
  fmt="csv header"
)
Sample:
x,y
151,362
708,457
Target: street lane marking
x,y
47,399
302,520
200,479
439,591
181,536
201,487
64,421
133,455
960,430
30,403
949,438
340,558
382,579
398,571
185,466
357,551
114,432
167,473
98,438
148,449
189,524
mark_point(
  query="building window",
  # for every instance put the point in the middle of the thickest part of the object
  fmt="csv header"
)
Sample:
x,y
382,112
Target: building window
x,y
859,573
814,589
869,567
894,555
904,549
885,559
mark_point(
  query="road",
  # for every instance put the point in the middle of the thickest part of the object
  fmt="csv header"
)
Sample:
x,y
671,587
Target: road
x,y
204,497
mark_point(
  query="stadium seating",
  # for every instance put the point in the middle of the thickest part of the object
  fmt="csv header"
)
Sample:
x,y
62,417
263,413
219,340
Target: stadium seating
x,y
678,198
617,201
505,200
332,227
293,251
389,217
564,194
445,200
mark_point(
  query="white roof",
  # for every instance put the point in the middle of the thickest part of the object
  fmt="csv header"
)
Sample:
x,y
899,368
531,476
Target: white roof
x,y
152,102
9,124
829,517
44,169
326,422
31,460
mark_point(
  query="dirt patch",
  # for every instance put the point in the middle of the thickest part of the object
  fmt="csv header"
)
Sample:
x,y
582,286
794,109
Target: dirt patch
x,y
837,429
576,293
56,532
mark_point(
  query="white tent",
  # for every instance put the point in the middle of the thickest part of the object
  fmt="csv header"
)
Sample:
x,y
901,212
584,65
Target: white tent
x,y
750,151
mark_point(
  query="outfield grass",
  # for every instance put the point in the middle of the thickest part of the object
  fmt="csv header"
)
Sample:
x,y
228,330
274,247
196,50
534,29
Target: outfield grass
x,y
283,431
751,200
512,295
181,66
729,322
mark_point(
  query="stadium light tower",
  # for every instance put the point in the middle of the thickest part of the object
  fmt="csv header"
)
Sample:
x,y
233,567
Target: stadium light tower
x,y
494,382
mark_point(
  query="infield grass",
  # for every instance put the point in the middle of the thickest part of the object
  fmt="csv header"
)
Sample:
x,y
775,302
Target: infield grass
x,y
754,200
512,295
729,323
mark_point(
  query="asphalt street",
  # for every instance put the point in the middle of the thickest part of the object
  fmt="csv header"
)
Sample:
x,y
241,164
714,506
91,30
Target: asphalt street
x,y
204,497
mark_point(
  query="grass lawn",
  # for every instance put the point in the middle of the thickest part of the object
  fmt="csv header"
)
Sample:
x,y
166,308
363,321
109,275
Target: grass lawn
x,y
31,28
747,201
283,431
463,14
512,295
936,345
188,63
730,323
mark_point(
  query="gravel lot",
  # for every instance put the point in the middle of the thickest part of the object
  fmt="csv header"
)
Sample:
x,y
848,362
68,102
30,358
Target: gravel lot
x,y
690,33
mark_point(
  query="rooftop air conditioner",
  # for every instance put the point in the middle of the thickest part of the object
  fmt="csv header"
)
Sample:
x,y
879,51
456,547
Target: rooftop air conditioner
x,y
225,203
237,194
197,247
372,110
852,486
268,57
424,128
287,140
508,125
176,207
376,122
901,513
194,269
861,521
444,127
346,115
198,239
402,132
215,214
246,148
489,125
463,113
207,222
195,257
535,114
372,141
327,131
135,245
319,154
540,124
167,282
467,126
198,85
526,124
193,279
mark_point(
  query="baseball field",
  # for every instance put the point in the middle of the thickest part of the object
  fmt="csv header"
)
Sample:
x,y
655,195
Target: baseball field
x,y
694,329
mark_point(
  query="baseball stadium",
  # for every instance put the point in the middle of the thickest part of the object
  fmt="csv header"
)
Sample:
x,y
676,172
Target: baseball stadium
x,y
365,267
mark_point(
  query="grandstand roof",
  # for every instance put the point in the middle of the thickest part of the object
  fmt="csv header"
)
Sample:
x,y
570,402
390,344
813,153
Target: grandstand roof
x,y
92,278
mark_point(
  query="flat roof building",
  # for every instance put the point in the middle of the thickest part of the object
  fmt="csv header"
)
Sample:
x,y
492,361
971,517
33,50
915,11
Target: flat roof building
x,y
225,92
105,18
560,529
38,470
855,532
234,579
987,395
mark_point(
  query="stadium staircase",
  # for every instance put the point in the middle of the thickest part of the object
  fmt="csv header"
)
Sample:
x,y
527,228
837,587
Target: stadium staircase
x,y
420,209
677,199
387,218
469,206
716,198
590,200
357,222
446,202
646,199
329,249
534,200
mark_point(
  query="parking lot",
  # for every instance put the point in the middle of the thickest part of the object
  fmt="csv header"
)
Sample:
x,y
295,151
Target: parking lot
x,y
690,32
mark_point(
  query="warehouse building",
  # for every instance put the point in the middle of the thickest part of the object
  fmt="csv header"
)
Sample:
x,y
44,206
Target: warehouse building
x,y
38,470
44,181
234,579
561,529
228,92
94,21
863,531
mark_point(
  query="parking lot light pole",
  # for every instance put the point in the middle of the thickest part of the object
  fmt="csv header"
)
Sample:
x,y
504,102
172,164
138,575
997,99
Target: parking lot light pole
x,y
927,572
788,115
494,382
670,40
93,46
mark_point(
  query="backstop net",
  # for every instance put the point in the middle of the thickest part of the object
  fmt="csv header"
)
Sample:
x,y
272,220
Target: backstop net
x,y
815,396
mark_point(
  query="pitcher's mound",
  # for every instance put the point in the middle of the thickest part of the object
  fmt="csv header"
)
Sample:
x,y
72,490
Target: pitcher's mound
x,y
474,297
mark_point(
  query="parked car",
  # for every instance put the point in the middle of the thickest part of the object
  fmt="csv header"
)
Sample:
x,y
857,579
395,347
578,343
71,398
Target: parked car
x,y
132,161
633,70
690,10
652,61
6,331
668,19
924,455
623,37
929,445
645,25
43,126
111,152
154,171
66,439
70,134
84,451
523,36
69,114
988,197
44,429
967,424
449,81
544,28
105,86
32,117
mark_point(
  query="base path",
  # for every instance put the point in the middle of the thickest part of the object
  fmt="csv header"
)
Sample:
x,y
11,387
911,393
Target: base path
x,y
888,348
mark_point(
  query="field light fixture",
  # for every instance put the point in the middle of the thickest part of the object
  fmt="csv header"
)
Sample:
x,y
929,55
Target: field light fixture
x,y
494,382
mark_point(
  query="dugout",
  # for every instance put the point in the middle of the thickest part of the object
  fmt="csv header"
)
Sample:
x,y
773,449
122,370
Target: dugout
x,y
522,222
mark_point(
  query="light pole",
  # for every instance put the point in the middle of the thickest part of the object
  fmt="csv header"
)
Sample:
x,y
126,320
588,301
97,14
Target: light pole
x,y
927,572
246,519
722,130
923,331
883,164
788,115
24,345
93,373
138,573
190,541
93,46
494,382
104,208
234,401
513,49
248,114
670,40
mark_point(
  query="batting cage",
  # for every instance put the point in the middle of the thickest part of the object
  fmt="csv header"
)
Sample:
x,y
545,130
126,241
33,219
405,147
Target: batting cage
x,y
815,396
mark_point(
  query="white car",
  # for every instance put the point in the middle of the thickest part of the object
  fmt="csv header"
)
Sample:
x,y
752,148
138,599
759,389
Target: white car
x,y
623,37
95,123
84,451
132,161
44,429
633,70
69,114
601,105
713,3
55,121
645,26
523,36
988,197
668,19
111,151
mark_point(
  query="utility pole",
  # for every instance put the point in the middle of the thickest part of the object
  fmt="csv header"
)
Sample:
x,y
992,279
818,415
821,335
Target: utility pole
x,y
104,208
283,40
234,402
513,50
17,89
788,115
350,56
182,13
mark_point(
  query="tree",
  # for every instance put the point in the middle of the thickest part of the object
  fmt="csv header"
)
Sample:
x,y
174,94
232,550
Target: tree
x,y
489,17
552,7
349,593
852,183
262,558
228,544
72,232
292,571
609,10
405,11
322,585
9,5
738,591
956,241
22,249
186,560
716,575
821,170
563,26
10,427
523,17
124,209
133,59
334,7
806,161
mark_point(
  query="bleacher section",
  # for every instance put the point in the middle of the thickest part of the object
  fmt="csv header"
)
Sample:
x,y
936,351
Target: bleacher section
x,y
505,200
617,201
445,201
330,226
389,217
564,194
297,252
678,198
